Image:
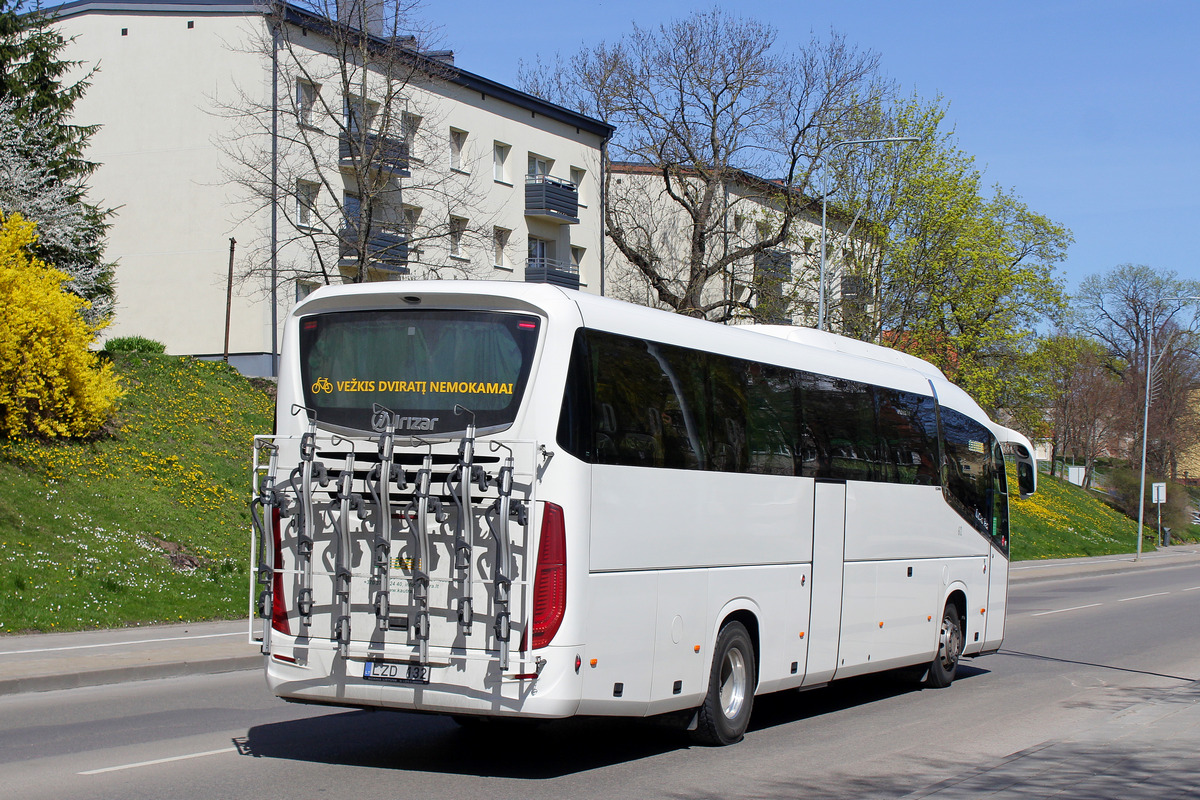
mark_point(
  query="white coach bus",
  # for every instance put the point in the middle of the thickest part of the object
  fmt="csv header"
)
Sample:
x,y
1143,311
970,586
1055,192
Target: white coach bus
x,y
513,500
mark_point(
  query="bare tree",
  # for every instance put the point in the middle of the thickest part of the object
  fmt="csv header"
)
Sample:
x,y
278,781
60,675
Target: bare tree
x,y
1132,311
707,103
350,150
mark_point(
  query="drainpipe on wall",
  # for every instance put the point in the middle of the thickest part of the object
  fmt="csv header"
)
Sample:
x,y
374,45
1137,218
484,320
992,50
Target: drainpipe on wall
x,y
603,206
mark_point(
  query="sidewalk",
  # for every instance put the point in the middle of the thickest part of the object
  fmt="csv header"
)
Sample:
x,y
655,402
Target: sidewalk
x,y
41,662
1146,752
46,661
1052,568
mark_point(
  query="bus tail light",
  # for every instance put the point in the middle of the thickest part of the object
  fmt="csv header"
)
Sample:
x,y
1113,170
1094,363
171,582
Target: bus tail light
x,y
550,582
279,614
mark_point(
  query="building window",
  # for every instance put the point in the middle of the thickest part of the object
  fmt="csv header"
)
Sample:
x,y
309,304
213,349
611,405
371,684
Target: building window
x,y
412,215
351,210
577,176
304,289
458,143
539,165
359,113
306,101
409,124
458,226
577,256
306,203
500,162
500,243
541,252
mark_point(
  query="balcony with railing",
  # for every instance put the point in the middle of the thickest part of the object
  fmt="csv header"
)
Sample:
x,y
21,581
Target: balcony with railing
x,y
376,152
551,199
548,270
386,249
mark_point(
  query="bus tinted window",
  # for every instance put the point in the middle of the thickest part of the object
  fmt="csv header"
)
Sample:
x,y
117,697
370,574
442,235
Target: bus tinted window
x,y
639,403
773,414
839,425
728,445
417,364
646,405
968,469
907,436
999,499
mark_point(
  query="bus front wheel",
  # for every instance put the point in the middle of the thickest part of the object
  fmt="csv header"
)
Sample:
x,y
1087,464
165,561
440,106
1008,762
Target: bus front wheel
x,y
725,714
950,647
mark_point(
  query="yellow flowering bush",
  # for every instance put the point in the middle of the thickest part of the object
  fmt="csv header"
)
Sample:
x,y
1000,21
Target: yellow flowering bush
x,y
51,384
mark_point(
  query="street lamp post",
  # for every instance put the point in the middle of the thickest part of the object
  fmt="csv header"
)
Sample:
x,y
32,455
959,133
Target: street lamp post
x,y
824,198
1146,412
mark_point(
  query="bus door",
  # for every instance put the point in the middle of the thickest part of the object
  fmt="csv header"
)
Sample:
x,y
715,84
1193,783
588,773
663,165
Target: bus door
x,y
825,609
997,556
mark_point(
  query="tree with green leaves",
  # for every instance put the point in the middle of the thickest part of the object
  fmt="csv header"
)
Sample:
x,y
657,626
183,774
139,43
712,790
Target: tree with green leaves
x,y
943,268
42,152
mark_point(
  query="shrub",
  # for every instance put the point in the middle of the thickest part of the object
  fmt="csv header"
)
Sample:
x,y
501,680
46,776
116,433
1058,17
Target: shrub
x,y
51,383
134,344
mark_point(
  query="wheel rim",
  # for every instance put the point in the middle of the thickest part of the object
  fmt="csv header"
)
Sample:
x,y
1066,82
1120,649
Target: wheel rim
x,y
951,642
734,680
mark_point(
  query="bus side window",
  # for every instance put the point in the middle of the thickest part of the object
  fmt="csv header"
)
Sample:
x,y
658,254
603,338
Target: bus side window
x,y
840,416
999,499
727,400
644,412
968,468
908,432
575,428
771,420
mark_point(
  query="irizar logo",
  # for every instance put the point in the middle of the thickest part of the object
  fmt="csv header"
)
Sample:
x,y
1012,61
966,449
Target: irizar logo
x,y
415,423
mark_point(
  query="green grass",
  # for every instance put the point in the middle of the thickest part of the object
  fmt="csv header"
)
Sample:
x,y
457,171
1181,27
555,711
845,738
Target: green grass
x,y
147,524
1062,520
150,523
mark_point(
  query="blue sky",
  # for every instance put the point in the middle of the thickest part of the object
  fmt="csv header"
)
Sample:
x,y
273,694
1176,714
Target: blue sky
x,y
1090,111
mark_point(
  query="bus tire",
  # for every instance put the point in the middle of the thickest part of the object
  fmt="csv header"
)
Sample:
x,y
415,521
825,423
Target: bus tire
x,y
725,714
950,647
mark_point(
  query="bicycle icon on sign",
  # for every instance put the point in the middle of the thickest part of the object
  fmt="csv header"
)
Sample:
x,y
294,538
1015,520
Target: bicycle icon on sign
x,y
322,385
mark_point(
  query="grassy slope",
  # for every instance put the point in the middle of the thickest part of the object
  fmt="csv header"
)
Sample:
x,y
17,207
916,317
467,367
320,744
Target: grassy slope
x,y
149,524
1062,520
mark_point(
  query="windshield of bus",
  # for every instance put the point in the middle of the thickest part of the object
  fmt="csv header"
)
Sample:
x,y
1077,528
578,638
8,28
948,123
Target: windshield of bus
x,y
417,364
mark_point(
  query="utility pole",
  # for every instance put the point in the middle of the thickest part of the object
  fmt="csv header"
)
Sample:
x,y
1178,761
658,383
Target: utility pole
x,y
229,296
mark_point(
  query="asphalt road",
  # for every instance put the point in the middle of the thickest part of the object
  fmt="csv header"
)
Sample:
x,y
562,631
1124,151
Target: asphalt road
x,y
1077,651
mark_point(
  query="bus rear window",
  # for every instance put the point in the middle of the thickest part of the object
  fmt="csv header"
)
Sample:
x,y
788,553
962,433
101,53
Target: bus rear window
x,y
418,364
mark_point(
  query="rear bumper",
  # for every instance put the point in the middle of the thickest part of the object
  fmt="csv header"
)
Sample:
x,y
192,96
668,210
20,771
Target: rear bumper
x,y
459,685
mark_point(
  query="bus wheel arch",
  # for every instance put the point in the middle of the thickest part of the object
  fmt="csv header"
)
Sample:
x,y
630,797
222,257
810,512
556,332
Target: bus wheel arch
x,y
724,715
951,641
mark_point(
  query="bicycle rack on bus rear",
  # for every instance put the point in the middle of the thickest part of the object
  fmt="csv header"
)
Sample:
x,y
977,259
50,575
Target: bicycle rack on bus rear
x,y
324,502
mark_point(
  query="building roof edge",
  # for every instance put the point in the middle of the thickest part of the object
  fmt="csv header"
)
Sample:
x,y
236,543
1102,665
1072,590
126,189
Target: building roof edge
x,y
455,75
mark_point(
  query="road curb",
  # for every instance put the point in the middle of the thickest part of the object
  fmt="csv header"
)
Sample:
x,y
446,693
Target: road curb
x,y
143,672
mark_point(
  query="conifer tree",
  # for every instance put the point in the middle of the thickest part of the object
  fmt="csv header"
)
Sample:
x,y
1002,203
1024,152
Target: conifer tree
x,y
36,86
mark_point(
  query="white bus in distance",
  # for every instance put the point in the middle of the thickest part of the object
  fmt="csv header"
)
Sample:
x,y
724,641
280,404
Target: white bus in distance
x,y
513,500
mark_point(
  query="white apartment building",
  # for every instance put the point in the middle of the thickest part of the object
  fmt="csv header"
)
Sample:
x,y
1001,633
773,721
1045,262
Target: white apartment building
x,y
776,285
221,135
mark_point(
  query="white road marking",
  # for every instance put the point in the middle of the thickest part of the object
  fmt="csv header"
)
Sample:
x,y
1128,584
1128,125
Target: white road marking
x,y
1142,596
159,761
118,644
1191,588
1061,610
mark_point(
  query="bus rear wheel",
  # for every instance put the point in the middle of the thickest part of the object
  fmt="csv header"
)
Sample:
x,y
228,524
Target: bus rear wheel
x,y
725,714
950,647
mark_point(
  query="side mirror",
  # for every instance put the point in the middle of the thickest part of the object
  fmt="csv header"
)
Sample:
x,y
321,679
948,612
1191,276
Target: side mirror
x,y
1025,480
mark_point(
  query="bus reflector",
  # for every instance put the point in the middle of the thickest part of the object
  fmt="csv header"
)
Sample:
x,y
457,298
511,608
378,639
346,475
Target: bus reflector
x,y
550,581
279,615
